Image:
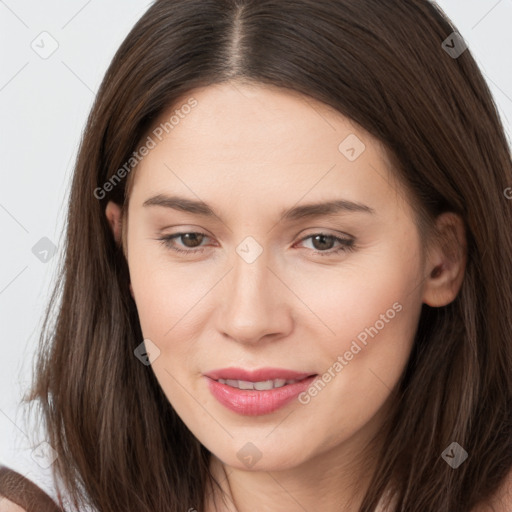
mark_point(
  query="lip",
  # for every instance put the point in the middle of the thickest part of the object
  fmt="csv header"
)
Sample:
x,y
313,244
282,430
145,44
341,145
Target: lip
x,y
252,402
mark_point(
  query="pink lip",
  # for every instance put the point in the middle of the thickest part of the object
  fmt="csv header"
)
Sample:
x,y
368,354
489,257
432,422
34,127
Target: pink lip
x,y
251,402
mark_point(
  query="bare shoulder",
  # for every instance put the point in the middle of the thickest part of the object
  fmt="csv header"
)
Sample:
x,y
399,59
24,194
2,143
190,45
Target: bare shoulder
x,y
9,506
501,501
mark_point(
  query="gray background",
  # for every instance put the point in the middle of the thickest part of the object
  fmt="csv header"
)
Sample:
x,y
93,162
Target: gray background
x,y
44,104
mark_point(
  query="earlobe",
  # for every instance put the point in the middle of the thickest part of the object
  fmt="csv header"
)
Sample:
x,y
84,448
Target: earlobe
x,y
114,215
446,263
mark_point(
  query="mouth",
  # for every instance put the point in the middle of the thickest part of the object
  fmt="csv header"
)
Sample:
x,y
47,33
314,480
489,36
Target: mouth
x,y
257,392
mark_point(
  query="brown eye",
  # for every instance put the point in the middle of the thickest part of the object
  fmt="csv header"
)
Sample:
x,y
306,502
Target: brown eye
x,y
189,240
323,244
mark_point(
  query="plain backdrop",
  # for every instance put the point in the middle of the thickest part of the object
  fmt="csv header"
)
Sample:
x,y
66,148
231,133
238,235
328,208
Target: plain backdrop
x,y
44,102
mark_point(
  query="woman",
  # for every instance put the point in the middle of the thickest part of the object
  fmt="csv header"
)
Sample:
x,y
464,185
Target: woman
x,y
210,352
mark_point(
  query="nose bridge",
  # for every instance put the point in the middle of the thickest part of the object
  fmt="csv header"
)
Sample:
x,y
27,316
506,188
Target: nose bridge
x,y
252,303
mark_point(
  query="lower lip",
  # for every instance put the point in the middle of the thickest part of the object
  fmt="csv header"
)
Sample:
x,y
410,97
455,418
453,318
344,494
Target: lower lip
x,y
250,402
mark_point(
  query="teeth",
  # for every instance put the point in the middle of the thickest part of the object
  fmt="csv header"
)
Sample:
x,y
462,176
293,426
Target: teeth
x,y
259,386
242,384
263,386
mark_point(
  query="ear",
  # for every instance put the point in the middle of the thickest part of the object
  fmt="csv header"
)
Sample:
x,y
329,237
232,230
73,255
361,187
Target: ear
x,y
114,214
446,261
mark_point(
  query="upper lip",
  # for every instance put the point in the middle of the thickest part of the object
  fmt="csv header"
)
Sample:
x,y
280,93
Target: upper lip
x,y
257,375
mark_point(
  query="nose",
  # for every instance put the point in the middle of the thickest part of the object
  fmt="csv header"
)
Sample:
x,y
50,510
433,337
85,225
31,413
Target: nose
x,y
254,303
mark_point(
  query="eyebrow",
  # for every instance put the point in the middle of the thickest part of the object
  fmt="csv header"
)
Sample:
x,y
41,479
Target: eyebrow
x,y
333,207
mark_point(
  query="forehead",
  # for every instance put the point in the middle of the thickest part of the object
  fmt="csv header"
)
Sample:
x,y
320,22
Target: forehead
x,y
259,139
266,121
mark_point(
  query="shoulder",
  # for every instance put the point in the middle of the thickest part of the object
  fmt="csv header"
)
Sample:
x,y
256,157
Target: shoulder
x,y
502,499
26,457
18,494
9,506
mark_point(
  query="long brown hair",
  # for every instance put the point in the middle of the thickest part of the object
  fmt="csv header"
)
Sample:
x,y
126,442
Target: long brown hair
x,y
381,63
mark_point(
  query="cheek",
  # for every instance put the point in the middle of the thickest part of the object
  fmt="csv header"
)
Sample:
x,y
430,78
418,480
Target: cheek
x,y
165,292
372,308
374,322
366,290
166,299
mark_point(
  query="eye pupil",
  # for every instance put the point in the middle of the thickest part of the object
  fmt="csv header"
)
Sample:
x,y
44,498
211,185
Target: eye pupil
x,y
322,244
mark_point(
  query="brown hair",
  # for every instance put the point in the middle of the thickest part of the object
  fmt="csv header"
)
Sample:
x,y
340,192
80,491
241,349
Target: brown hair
x,y
382,64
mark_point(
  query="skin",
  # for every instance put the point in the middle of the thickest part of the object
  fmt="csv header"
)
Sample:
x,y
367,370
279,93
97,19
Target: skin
x,y
9,506
250,151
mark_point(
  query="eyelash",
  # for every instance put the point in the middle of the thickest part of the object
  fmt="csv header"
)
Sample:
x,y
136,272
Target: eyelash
x,y
347,245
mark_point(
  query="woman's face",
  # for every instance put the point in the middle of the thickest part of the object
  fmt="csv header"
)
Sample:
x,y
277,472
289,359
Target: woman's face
x,y
269,277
